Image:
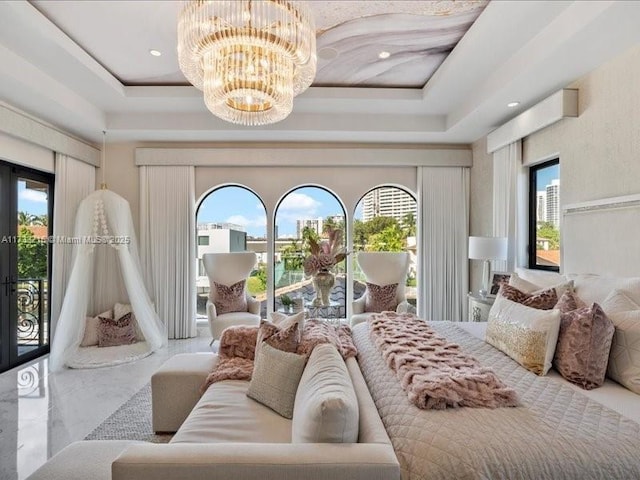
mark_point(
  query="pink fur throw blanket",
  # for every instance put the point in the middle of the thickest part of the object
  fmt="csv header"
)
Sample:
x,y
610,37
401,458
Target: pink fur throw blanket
x,y
238,344
435,374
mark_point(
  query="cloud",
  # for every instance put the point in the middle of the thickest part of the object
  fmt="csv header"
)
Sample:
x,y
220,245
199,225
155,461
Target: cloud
x,y
299,201
260,221
33,196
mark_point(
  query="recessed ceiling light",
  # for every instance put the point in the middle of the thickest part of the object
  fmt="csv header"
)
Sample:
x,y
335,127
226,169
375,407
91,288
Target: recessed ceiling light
x,y
513,104
155,53
384,54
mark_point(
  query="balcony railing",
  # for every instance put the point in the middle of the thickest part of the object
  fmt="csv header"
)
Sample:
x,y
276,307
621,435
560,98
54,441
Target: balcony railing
x,y
33,305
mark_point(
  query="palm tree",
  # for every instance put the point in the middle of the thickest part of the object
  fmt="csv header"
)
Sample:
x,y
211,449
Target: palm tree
x,y
25,218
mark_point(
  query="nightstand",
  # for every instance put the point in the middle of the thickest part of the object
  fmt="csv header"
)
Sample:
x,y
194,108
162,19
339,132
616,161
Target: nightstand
x,y
479,307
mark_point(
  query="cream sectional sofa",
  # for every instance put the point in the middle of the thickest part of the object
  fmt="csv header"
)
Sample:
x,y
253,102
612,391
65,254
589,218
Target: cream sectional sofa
x,y
227,435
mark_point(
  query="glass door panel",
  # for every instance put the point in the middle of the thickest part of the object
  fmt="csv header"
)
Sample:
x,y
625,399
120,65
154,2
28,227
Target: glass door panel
x,y
26,208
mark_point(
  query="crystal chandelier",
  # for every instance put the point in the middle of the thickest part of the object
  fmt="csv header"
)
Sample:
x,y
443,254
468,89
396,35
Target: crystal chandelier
x,y
249,57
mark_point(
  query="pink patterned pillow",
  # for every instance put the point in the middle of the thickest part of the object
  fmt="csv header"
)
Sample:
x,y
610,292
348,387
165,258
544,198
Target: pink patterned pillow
x,y
544,300
584,342
114,332
230,298
380,298
569,301
285,339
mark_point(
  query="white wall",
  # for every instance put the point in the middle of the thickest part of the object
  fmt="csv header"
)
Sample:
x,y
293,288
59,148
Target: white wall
x,y
599,158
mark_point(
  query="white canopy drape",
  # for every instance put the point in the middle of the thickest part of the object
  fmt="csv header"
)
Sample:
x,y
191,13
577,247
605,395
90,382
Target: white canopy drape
x,y
106,269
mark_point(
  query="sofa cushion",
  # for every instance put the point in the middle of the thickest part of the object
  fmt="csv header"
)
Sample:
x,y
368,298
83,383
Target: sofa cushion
x,y
275,378
225,414
326,406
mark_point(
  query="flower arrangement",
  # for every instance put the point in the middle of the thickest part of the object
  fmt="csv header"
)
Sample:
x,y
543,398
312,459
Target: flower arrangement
x,y
326,254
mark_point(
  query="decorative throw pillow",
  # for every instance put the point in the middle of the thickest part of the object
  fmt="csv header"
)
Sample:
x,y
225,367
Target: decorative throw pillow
x,y
381,298
529,287
238,341
90,337
326,406
114,332
544,300
285,339
528,335
624,359
584,342
121,309
230,298
285,321
275,379
569,301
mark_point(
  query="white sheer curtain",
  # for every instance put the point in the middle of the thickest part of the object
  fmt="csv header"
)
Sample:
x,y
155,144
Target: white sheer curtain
x,y
443,194
167,238
74,181
509,208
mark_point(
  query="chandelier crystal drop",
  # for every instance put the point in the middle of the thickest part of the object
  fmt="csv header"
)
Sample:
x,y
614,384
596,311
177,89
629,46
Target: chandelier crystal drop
x,y
249,57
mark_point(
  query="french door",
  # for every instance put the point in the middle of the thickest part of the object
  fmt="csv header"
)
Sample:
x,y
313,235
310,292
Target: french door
x,y
26,220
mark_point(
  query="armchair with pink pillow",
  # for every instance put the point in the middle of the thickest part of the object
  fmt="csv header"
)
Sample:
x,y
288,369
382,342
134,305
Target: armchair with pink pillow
x,y
386,277
229,302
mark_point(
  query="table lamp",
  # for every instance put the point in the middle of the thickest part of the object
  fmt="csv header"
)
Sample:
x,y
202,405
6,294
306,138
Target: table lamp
x,y
487,249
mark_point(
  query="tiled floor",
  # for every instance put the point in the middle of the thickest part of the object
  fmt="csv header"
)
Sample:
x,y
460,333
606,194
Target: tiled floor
x,y
42,412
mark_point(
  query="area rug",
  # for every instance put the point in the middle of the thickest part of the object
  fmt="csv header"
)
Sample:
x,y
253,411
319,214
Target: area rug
x,y
132,421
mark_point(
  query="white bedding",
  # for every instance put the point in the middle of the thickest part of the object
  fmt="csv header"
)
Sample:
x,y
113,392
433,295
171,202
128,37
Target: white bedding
x,y
611,394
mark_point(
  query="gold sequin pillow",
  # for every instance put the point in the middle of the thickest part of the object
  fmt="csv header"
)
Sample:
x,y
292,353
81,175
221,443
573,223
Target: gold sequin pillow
x,y
528,335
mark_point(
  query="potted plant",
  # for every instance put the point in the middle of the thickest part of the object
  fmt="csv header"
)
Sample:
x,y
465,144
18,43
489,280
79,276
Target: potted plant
x,y
287,302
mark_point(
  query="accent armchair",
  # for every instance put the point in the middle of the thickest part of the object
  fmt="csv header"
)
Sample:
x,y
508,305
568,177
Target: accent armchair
x,y
381,269
226,270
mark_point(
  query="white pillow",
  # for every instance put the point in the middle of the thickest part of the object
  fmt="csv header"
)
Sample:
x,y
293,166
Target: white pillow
x,y
543,278
529,287
526,334
90,337
326,406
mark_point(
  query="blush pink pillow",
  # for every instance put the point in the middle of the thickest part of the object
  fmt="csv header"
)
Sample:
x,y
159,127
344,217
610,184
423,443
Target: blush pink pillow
x,y
230,298
380,298
114,332
584,342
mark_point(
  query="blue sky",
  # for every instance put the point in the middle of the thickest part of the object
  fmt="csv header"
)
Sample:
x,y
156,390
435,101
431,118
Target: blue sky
x,y
31,201
545,176
240,206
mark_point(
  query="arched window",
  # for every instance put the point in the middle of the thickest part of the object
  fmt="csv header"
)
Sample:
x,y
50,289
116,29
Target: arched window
x,y
385,221
305,217
232,219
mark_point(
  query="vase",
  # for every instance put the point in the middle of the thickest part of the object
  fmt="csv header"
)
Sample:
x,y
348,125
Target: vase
x,y
323,282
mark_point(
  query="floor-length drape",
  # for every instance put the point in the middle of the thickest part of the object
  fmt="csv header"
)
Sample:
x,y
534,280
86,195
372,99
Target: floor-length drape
x,y
508,187
74,181
443,200
167,234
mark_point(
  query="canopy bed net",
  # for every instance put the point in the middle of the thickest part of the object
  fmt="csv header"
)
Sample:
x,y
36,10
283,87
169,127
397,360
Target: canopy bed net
x,y
105,273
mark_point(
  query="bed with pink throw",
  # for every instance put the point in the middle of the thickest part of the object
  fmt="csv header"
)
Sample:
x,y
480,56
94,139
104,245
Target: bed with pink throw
x,y
555,433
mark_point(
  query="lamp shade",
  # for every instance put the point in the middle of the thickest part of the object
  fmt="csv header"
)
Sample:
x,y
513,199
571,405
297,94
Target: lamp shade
x,y
488,248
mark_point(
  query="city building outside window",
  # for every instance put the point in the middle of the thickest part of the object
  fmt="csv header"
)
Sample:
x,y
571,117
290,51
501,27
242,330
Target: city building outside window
x,y
544,216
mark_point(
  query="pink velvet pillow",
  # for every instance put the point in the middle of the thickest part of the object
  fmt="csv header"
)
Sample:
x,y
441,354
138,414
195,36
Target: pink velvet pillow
x,y
285,339
544,300
230,298
584,342
114,332
381,298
